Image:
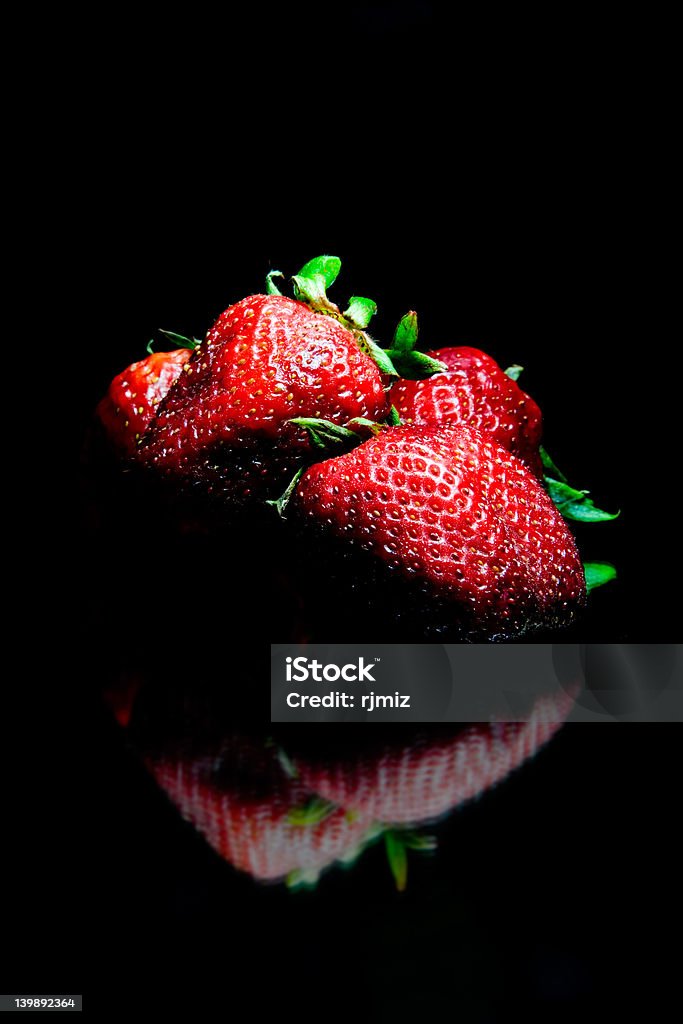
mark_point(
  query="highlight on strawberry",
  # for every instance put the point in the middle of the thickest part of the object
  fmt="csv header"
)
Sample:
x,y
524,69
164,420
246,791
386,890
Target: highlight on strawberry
x,y
427,467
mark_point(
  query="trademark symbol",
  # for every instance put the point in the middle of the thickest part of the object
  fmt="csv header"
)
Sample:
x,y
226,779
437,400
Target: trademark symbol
x,y
378,659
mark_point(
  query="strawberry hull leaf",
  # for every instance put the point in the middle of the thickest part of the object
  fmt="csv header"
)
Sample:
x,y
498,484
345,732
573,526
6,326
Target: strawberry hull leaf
x,y
327,267
271,288
575,504
397,842
380,356
514,372
411,365
420,841
286,763
313,280
548,464
312,812
299,879
397,856
597,574
405,336
311,290
572,503
280,504
179,340
324,433
360,311
414,365
365,424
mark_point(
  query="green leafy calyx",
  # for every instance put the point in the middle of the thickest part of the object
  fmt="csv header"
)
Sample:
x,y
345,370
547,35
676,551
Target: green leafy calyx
x,y
575,504
360,311
325,434
514,372
572,503
597,574
179,340
408,361
312,812
280,504
310,286
397,842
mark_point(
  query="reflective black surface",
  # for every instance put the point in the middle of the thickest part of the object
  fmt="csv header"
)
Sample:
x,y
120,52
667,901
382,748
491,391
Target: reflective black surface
x,y
547,893
284,804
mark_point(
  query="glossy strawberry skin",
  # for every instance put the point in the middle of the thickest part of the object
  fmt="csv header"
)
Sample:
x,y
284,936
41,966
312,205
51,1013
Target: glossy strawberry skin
x,y
460,519
131,401
474,392
266,360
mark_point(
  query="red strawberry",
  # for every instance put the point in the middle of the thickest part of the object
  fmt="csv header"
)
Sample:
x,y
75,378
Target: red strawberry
x,y
238,795
417,782
463,357
474,392
461,517
278,814
280,817
224,425
131,402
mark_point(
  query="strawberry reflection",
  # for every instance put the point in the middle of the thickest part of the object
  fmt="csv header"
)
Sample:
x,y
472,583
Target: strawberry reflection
x,y
286,806
263,820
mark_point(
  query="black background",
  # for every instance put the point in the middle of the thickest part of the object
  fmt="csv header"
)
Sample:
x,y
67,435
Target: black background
x,y
488,181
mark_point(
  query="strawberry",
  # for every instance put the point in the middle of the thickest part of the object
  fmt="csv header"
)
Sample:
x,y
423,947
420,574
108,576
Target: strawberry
x,y
130,404
229,425
289,815
237,794
419,781
475,392
463,519
267,360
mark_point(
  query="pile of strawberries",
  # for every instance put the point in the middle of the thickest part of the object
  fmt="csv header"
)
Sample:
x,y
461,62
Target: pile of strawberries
x,y
423,468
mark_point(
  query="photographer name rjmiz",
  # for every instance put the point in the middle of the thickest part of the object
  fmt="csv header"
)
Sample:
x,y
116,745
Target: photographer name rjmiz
x,y
300,670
